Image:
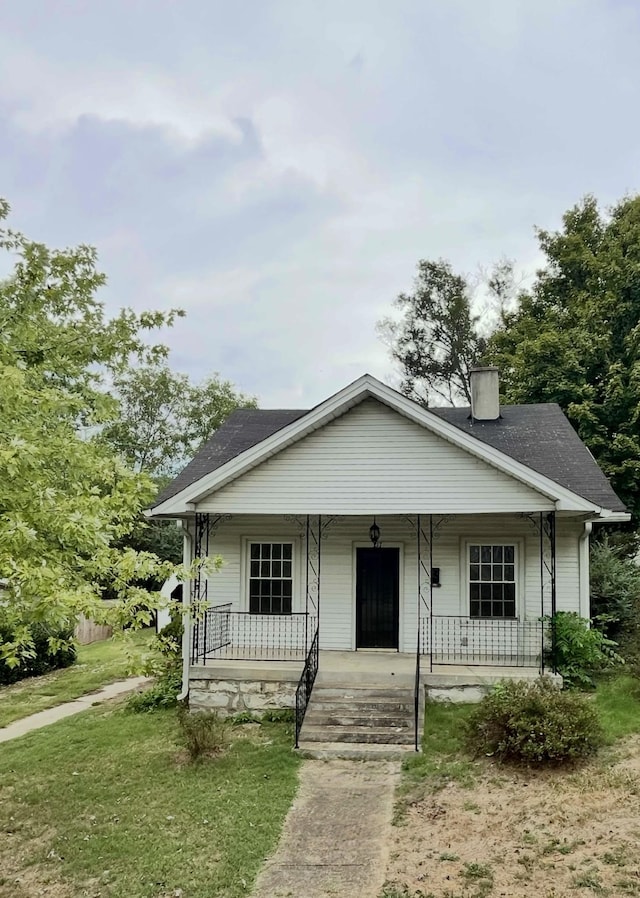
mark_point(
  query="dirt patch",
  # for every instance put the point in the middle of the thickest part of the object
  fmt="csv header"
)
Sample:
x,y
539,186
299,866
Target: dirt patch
x,y
517,834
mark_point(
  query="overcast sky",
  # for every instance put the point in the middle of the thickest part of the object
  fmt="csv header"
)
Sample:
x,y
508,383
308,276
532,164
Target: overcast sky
x,y
278,168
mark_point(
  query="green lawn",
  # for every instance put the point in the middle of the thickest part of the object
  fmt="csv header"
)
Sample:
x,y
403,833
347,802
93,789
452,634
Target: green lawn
x,y
98,664
105,804
618,703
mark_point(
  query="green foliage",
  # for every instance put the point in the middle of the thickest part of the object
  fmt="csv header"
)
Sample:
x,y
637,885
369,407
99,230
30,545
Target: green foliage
x,y
163,694
438,340
575,336
164,664
47,649
164,418
204,733
66,499
581,651
534,723
615,595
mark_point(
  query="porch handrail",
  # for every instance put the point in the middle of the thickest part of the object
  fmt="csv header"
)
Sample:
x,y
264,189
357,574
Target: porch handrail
x,y
416,697
305,684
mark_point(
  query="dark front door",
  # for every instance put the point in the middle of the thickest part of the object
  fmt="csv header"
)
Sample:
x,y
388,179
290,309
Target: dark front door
x,y
377,598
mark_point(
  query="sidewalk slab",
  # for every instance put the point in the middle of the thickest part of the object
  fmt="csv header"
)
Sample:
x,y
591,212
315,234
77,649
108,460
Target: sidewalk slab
x,y
68,709
336,836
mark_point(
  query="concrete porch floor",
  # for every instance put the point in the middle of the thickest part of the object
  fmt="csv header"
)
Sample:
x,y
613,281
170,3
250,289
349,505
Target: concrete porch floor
x,y
373,667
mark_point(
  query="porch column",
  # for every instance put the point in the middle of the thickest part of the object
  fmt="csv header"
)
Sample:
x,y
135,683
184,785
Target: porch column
x,y
313,569
548,594
205,527
425,585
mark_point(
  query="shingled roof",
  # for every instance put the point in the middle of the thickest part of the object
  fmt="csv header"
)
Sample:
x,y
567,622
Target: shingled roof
x,y
539,436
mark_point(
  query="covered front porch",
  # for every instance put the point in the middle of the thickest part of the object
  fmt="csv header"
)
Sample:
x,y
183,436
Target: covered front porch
x,y
374,600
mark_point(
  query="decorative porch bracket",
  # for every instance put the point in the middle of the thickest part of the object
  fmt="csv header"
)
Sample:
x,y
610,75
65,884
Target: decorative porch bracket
x,y
206,526
544,525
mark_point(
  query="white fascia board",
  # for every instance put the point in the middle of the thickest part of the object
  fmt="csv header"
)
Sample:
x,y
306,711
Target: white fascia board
x,y
336,405
612,517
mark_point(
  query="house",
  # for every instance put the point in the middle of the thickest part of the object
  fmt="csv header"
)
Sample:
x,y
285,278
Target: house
x,y
382,546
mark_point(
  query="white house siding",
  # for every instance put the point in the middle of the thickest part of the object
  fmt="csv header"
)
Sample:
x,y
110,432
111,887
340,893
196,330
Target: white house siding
x,y
338,566
373,460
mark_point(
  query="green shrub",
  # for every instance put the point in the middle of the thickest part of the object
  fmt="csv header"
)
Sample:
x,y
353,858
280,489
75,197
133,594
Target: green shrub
x,y
204,732
580,651
534,722
165,665
42,658
163,694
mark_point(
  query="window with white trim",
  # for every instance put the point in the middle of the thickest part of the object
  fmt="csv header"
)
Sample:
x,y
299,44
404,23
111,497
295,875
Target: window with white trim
x,y
270,577
492,573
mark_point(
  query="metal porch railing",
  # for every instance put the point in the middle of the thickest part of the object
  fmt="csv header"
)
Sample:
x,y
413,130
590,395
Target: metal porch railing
x,y
221,633
450,639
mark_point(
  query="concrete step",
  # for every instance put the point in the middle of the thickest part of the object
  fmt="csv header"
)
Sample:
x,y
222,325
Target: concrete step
x,y
341,717
368,734
361,693
355,751
362,705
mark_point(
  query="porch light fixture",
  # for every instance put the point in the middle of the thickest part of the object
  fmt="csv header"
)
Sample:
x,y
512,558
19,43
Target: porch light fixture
x,y
374,533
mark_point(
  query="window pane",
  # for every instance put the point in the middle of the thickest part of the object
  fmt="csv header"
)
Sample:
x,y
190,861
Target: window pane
x,y
474,591
270,578
474,572
485,591
497,609
497,554
475,609
510,591
509,572
509,609
509,554
497,572
485,572
485,609
474,554
497,591
485,554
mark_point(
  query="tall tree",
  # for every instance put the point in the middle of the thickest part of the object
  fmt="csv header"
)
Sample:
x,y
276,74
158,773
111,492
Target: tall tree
x,y
575,336
65,498
164,418
438,339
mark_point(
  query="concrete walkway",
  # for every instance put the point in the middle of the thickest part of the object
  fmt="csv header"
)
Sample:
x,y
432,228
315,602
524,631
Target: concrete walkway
x,y
51,715
336,837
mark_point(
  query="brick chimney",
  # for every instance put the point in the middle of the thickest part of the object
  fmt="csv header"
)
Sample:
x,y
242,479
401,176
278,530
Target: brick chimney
x,y
485,401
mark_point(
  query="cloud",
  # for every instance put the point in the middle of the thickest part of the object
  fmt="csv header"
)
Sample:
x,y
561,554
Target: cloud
x,y
278,169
